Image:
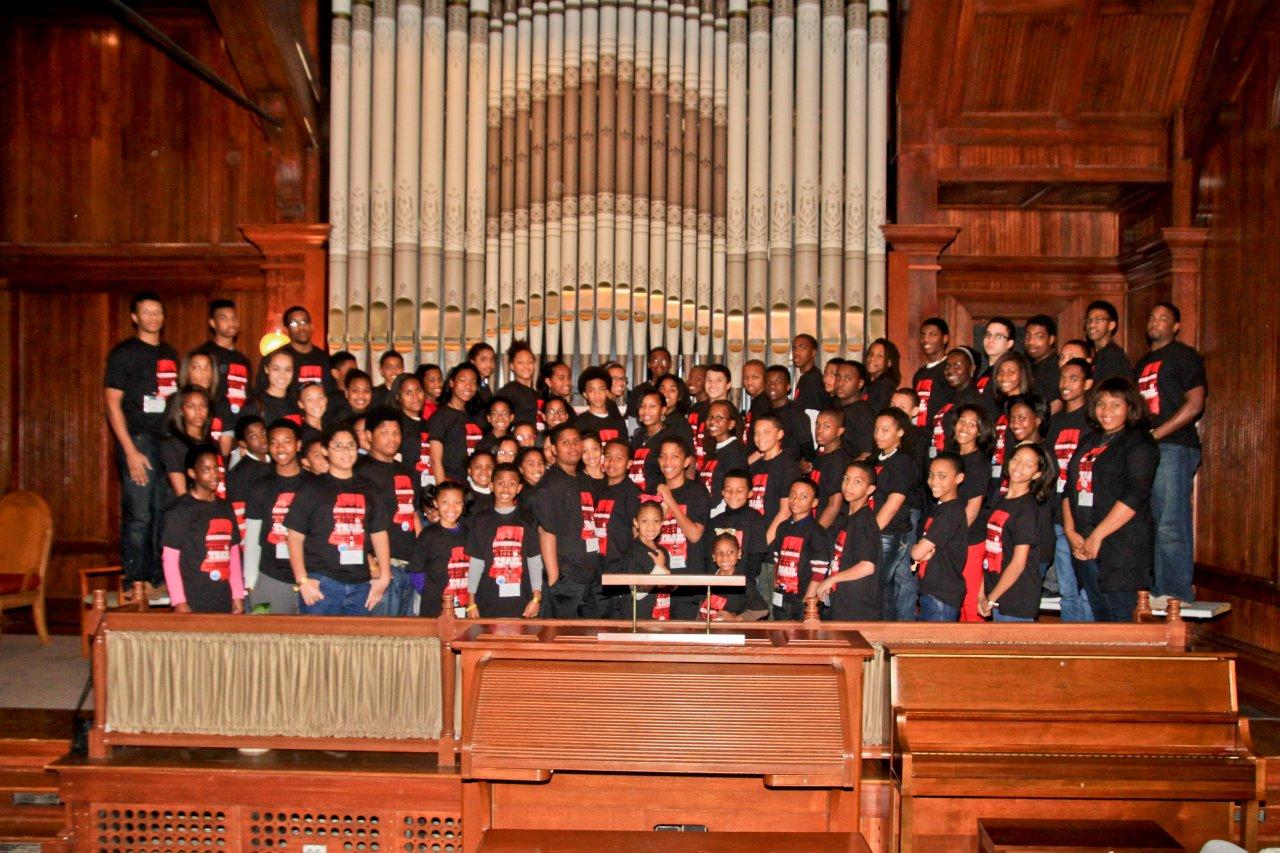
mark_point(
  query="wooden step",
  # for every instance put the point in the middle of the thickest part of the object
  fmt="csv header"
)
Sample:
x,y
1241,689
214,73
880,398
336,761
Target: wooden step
x,y
27,780
33,737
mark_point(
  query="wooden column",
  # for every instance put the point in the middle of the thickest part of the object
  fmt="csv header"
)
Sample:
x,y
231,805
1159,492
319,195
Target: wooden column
x,y
913,281
1165,266
339,169
294,262
404,319
1186,254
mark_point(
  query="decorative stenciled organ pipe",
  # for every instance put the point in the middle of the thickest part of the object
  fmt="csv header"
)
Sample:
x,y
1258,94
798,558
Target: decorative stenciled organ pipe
x,y
603,176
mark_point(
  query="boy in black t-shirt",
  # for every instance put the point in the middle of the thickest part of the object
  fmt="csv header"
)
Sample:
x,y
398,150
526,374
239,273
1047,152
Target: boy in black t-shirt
x,y
736,516
1101,320
940,553
232,365
801,550
616,503
267,574
393,484
565,506
773,470
853,580
505,574
1066,429
439,564
140,375
598,419
686,509
828,468
929,383
797,439
1172,384
334,523
201,543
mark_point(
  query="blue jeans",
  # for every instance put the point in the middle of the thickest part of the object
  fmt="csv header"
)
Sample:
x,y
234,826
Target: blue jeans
x,y
1171,507
936,610
898,602
1107,606
1075,601
398,598
141,511
997,616
340,599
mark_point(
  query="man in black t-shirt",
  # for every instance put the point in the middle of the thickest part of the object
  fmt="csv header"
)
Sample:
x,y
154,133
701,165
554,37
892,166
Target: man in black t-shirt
x,y
659,364
564,506
310,361
809,392
141,374
928,382
395,487
1171,382
1101,319
1040,339
232,365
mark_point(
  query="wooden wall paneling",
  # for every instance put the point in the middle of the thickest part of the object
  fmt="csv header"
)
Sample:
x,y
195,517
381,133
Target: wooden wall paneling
x,y
9,326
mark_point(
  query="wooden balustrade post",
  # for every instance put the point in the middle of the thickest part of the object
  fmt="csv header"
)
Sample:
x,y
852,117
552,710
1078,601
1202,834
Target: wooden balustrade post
x,y
98,747
1142,611
1173,610
811,620
140,600
447,752
913,281
295,265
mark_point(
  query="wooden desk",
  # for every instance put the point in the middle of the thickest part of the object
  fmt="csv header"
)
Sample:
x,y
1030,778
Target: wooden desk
x,y
578,841
763,736
1064,836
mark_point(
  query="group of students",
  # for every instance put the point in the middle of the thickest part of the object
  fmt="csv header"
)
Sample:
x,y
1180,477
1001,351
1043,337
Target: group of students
x,y
305,488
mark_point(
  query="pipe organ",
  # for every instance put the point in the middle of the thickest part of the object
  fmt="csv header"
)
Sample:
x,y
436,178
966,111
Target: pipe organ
x,y
603,176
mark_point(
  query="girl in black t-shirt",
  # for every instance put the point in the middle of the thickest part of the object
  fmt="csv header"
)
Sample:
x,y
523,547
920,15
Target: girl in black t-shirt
x,y
643,469
453,433
498,415
940,553
201,543
897,475
198,368
277,400
724,606
408,398
1011,591
593,457
883,373
313,403
972,438
1011,376
188,416
644,555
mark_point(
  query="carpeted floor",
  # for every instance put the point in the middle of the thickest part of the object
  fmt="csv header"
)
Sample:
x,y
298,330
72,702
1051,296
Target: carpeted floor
x,y
37,676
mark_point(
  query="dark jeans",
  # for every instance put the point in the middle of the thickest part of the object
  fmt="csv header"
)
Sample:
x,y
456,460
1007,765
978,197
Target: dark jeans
x,y
790,610
1106,606
141,513
398,598
570,599
936,610
1171,507
340,599
898,585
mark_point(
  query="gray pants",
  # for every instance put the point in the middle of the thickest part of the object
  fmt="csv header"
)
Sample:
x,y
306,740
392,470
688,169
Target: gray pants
x,y
279,596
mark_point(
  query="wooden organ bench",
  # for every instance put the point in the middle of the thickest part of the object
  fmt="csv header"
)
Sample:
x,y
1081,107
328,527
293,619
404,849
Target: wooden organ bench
x,y
1077,735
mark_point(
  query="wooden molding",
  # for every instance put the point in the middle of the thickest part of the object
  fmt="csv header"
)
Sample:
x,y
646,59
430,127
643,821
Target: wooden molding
x,y
295,267
913,279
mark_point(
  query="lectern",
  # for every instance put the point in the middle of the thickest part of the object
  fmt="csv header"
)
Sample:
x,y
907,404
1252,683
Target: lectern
x,y
566,729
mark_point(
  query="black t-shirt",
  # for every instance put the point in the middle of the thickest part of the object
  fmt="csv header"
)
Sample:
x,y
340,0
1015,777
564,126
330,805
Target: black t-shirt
x,y
828,474
685,557
524,401
269,500
458,434
809,392
797,435
203,533
241,481
275,408
565,506
718,461
605,427
173,453
337,517
615,511
415,450
977,481
396,492
942,575
637,559
898,473
934,392
1164,377
233,375
505,542
478,502
1044,377
879,392
1062,438
856,540
440,557
643,469
859,428
1110,361
802,549
771,481
1014,522
749,527
146,374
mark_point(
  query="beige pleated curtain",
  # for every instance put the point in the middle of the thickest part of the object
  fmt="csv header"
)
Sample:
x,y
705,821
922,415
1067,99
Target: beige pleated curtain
x,y
601,177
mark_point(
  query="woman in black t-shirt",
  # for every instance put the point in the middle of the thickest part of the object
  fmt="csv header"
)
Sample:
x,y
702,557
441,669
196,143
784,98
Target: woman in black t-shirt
x,y
452,429
201,542
643,468
1011,591
188,417
1011,376
972,437
1106,507
897,475
277,400
199,368
883,373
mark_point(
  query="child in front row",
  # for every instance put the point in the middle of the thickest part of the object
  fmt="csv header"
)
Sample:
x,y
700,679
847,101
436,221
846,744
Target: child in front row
x,y
800,546
940,554
644,555
505,573
201,543
725,556
854,579
735,515
439,559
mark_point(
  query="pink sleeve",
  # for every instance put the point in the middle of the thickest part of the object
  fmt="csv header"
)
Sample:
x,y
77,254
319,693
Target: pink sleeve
x,y
173,576
237,575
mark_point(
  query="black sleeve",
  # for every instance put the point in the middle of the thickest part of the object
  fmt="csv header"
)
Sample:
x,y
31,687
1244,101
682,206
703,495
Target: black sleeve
x,y
1140,460
1020,529
175,526
949,524
301,515
545,502
118,370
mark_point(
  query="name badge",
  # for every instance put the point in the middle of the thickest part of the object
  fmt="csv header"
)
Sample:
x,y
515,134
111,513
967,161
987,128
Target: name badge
x,y
677,561
508,590
282,550
153,405
593,545
427,479
997,471
1084,498
351,557
777,599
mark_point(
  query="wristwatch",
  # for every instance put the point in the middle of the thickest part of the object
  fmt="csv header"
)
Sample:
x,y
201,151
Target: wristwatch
x,y
297,587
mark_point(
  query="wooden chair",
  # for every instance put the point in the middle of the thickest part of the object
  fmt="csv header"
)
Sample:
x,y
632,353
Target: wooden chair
x,y
26,537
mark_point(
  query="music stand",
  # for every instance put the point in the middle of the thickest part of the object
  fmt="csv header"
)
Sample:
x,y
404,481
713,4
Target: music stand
x,y
637,580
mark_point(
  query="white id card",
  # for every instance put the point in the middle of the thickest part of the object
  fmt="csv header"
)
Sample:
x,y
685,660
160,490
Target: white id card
x,y
427,479
153,405
1084,498
777,599
593,545
351,556
678,561
508,590
282,550
997,471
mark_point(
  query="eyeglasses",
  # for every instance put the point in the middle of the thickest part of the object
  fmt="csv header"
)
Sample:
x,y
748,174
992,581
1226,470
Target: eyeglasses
x,y
995,336
343,445
294,324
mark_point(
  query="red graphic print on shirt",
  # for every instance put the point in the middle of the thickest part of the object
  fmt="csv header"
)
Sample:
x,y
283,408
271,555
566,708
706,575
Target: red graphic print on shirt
x,y
788,580
924,389
924,564
607,435
348,522
1149,387
1002,426
981,384
458,567
758,484
404,502
993,556
713,605
474,434
662,607
217,550
423,466
237,386
1084,478
673,539
166,377
508,554
308,373
221,491
588,505
604,511
707,471
635,469
1064,447
939,434
279,533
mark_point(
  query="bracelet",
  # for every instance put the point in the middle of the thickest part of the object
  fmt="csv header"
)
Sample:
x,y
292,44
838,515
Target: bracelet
x,y
297,587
